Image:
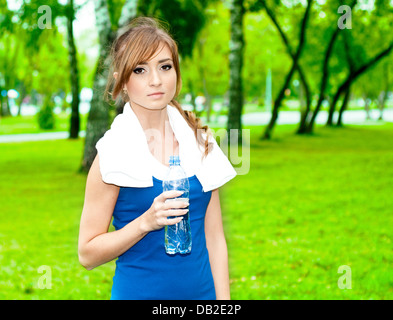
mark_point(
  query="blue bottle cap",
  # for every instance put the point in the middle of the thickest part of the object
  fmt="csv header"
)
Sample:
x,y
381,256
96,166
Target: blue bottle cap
x,y
174,160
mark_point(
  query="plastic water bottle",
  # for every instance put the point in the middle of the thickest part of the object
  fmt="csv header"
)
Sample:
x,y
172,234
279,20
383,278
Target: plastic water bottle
x,y
178,236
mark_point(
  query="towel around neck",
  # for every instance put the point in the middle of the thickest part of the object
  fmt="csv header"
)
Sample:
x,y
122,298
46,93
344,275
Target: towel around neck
x,y
126,161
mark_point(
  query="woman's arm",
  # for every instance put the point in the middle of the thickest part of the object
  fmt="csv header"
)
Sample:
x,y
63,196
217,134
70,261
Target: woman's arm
x,y
217,247
96,245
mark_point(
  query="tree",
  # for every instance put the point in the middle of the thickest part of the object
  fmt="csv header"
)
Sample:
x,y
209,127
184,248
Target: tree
x,y
307,123
42,53
236,49
74,73
206,71
295,56
186,19
351,53
38,22
363,49
98,119
352,76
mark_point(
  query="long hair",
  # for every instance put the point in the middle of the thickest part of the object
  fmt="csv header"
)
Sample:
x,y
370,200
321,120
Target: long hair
x,y
138,43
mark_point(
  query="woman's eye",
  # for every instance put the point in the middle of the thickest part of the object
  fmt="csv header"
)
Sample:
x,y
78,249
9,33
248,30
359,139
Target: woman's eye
x,y
167,67
139,70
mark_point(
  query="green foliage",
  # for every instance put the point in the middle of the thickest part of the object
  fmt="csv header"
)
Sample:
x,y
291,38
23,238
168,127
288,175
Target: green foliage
x,y
208,65
46,118
114,8
185,17
34,56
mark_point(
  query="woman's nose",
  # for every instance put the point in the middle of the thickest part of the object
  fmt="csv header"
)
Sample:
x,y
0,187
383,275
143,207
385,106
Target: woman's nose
x,y
155,79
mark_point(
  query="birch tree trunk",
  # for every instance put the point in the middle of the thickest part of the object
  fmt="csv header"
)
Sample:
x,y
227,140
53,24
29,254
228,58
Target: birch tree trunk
x,y
236,51
75,120
98,119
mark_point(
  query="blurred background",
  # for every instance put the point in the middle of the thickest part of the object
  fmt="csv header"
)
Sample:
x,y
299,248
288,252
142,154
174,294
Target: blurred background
x,y
309,82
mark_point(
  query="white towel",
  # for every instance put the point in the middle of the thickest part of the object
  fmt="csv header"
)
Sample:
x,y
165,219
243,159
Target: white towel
x,y
126,161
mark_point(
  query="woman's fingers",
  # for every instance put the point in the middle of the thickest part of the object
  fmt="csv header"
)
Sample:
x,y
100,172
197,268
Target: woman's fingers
x,y
169,194
168,208
178,203
170,222
175,212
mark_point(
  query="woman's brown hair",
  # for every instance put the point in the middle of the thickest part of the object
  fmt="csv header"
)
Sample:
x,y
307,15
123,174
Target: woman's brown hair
x,y
141,39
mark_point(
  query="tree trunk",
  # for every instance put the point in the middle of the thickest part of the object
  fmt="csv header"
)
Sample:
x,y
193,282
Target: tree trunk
x,y
344,106
295,58
302,76
352,77
381,103
277,103
324,81
191,86
384,94
72,56
98,119
6,111
332,107
325,75
22,96
236,53
367,103
304,113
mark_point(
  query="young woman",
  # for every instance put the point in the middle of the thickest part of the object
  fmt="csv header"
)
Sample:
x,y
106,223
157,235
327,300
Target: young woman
x,y
125,180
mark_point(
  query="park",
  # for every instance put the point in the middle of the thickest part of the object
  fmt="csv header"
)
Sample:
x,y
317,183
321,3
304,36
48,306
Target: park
x,y
306,87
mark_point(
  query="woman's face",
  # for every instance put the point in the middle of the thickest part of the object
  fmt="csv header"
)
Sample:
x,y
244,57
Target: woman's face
x,y
152,84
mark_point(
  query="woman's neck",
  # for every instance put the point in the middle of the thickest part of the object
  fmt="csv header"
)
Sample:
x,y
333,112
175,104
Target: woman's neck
x,y
151,119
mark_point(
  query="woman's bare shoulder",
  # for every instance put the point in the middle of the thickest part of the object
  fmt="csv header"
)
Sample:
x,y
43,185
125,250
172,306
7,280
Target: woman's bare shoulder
x,y
96,185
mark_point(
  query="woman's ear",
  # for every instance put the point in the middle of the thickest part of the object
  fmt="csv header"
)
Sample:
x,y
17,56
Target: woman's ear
x,y
115,74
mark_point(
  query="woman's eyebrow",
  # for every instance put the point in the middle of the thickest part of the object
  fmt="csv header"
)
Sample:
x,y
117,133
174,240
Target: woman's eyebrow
x,y
160,61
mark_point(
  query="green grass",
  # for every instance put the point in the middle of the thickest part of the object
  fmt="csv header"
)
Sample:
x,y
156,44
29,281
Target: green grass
x,y
308,205
29,124
41,202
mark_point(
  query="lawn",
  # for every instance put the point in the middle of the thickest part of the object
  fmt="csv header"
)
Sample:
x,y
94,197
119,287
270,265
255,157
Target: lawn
x,y
29,124
308,206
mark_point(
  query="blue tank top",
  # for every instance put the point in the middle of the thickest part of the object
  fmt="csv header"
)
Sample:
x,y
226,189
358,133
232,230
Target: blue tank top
x,y
145,271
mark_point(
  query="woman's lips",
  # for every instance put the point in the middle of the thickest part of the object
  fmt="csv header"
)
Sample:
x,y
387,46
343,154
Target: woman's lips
x,y
156,95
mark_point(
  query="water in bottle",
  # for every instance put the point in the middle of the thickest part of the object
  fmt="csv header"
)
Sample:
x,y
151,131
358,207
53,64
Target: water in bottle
x,y
178,236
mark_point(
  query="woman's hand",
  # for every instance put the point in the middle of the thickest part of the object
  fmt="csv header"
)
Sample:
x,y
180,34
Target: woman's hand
x,y
157,216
